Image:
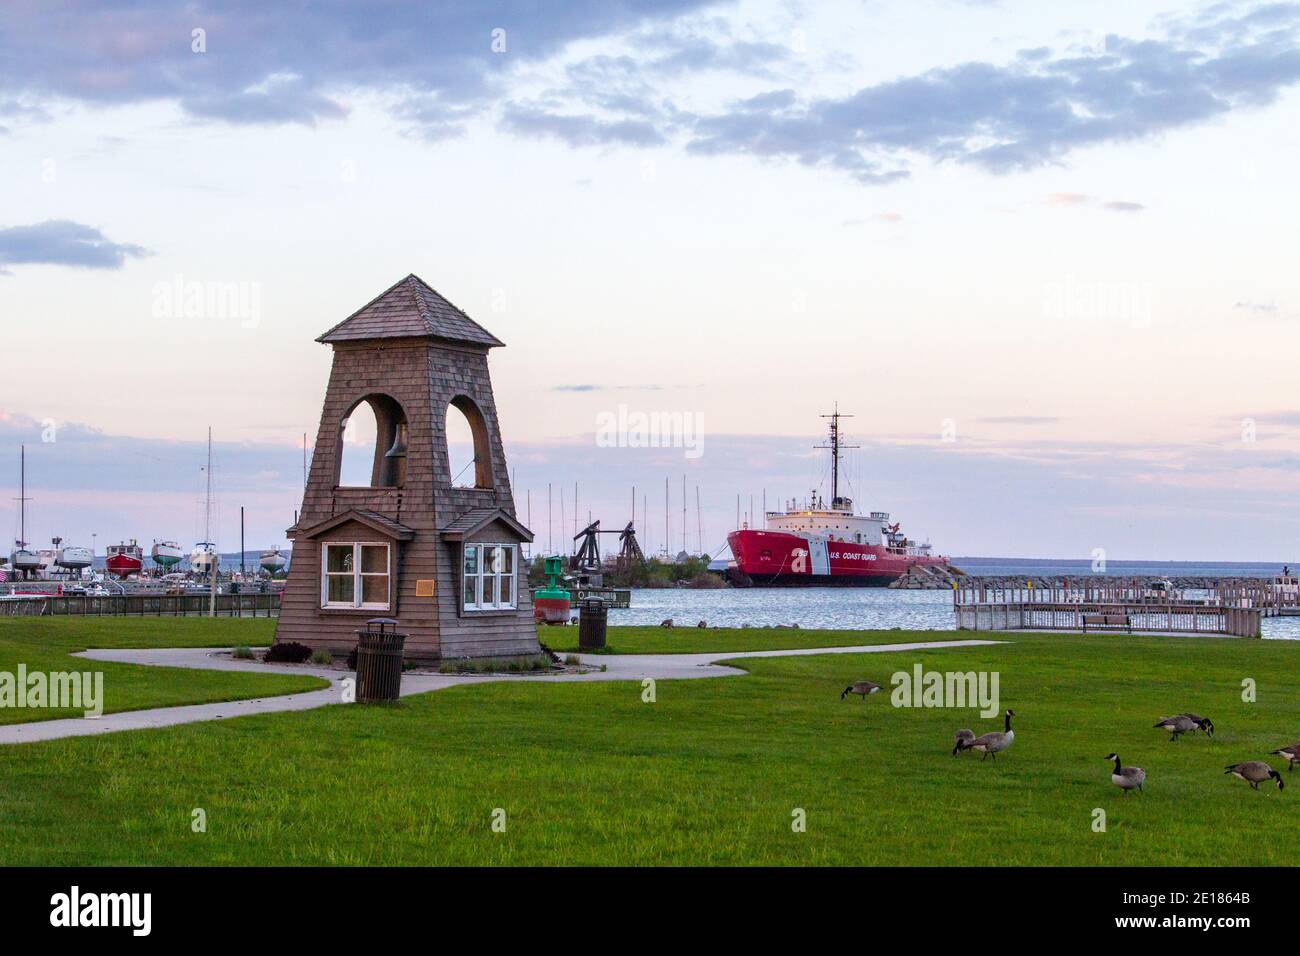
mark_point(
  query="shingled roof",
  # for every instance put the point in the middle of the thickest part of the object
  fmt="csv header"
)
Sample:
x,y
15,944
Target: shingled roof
x,y
476,519
371,519
410,309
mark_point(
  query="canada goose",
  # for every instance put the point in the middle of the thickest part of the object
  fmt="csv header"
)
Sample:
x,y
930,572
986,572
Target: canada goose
x,y
1292,755
1202,723
1177,725
1254,772
962,740
995,742
861,687
1127,778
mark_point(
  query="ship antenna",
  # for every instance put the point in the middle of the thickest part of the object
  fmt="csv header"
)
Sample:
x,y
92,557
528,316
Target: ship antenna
x,y
835,445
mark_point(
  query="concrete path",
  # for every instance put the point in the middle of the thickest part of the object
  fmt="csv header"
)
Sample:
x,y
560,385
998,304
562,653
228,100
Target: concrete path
x,y
633,667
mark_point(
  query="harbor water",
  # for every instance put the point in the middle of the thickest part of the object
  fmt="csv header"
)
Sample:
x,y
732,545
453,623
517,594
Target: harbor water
x,y
832,608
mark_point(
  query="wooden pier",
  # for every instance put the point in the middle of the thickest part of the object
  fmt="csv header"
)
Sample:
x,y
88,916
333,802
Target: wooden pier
x,y
1275,597
1092,605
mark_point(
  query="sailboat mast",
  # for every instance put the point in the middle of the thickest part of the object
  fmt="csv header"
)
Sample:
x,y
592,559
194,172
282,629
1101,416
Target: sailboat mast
x,y
699,522
22,497
207,508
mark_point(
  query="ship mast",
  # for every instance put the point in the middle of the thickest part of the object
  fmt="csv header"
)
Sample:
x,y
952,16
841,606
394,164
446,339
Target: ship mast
x,y
835,445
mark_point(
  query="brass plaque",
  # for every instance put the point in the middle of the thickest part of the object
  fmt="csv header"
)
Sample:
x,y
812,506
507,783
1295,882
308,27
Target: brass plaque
x,y
425,588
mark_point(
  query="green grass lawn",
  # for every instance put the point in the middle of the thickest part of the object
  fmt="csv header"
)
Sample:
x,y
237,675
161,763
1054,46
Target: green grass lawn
x,y
709,774
44,644
693,640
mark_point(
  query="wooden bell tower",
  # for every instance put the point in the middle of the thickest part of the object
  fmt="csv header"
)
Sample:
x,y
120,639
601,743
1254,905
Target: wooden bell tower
x,y
443,560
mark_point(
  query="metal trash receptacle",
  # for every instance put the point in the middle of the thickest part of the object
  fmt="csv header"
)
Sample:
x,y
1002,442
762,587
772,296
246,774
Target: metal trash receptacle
x,y
593,619
379,661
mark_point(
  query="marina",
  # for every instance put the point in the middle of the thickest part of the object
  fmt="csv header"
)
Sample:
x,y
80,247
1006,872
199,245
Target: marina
x,y
125,567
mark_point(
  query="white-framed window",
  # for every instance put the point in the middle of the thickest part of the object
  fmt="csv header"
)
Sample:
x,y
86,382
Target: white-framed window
x,y
489,577
355,574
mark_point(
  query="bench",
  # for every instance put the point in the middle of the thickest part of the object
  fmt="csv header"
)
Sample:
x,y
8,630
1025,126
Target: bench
x,y
1107,621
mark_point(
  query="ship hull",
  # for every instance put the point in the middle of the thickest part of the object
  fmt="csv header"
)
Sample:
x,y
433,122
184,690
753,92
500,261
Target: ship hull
x,y
772,559
26,561
123,565
167,556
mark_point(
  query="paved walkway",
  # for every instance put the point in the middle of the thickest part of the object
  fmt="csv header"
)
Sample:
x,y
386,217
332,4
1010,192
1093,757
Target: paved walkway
x,y
634,667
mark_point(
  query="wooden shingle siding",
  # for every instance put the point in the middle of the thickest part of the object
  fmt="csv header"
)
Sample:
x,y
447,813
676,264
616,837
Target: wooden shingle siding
x,y
386,354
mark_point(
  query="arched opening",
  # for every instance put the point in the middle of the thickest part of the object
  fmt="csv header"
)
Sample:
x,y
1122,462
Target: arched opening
x,y
468,451
372,445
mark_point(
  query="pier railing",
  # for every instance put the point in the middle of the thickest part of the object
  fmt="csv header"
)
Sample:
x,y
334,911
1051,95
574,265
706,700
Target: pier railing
x,y
994,605
142,605
1169,617
1274,596
1091,590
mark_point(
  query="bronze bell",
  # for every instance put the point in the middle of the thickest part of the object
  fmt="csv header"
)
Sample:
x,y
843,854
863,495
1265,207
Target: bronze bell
x,y
399,442
395,457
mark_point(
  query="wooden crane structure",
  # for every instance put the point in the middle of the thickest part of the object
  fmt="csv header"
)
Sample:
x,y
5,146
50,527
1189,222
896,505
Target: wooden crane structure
x,y
587,558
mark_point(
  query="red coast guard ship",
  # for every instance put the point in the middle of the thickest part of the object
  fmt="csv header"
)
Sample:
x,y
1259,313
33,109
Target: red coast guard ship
x,y
816,546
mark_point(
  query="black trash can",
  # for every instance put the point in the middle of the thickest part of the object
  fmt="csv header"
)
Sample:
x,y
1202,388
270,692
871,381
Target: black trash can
x,y
379,661
592,619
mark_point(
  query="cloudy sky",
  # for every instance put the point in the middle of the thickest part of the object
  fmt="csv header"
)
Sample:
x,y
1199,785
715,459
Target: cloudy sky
x,y
1045,253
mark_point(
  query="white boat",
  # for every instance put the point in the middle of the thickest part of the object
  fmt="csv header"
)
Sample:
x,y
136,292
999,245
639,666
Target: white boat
x,y
24,559
166,554
74,558
272,561
70,557
202,558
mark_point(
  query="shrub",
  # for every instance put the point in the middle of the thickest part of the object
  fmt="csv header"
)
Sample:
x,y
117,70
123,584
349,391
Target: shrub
x,y
243,652
352,659
287,652
321,656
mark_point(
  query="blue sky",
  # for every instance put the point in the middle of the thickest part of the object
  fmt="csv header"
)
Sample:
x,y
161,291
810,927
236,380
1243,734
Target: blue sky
x,y
1059,236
